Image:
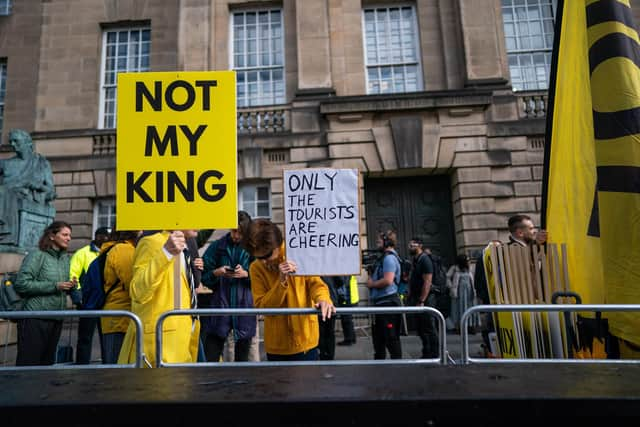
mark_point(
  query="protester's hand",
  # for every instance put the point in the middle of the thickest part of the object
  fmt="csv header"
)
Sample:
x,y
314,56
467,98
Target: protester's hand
x,y
240,273
176,243
369,282
541,237
198,263
286,268
66,286
202,289
326,309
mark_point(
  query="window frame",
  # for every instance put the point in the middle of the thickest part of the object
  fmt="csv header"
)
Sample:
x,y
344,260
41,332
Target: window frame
x,y
255,185
232,64
103,70
3,90
530,51
6,7
417,46
111,217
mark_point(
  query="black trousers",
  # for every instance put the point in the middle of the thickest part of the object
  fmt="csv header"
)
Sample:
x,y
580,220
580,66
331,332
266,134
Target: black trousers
x,y
327,342
86,328
214,345
348,329
386,332
427,330
38,341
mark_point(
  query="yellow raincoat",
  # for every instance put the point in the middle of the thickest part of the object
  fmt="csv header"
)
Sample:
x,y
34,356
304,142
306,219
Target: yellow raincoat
x,y
287,335
151,291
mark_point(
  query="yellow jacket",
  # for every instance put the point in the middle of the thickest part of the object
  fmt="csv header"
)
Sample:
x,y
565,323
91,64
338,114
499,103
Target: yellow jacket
x,y
118,269
80,261
151,291
287,334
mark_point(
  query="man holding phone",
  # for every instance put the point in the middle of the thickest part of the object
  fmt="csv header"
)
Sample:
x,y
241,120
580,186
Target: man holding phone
x,y
226,273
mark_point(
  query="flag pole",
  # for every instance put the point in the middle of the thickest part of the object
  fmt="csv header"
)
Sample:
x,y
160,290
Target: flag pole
x,y
550,103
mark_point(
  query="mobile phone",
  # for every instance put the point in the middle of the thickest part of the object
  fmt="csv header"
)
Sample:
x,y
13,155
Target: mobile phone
x,y
229,270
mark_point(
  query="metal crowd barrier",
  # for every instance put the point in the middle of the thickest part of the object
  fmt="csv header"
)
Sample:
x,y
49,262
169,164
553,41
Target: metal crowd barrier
x,y
52,314
304,311
538,308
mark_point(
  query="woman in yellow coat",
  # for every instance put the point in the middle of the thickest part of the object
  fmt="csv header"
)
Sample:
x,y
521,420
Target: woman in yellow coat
x,y
274,285
118,270
152,293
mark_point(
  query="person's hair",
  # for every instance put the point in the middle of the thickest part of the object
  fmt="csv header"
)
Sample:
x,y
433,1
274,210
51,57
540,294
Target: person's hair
x,y
102,231
244,219
45,242
389,239
462,261
262,235
124,235
417,240
516,221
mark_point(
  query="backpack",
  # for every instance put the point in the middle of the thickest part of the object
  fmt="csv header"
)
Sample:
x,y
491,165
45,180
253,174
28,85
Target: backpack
x,y
9,298
439,285
405,268
92,283
439,278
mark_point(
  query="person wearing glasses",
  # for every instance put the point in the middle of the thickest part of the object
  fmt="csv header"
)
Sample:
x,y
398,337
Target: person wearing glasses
x,y
274,284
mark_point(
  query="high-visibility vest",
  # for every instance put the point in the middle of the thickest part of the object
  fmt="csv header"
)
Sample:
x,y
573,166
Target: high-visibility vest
x,y
354,296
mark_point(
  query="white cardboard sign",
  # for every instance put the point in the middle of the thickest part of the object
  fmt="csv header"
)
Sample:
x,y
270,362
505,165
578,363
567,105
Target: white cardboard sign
x,y
322,221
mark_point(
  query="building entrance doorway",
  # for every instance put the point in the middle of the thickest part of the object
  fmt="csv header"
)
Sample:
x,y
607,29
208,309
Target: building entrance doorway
x,y
413,206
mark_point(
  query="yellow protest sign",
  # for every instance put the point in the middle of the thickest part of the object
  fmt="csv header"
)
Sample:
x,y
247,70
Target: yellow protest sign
x,y
176,151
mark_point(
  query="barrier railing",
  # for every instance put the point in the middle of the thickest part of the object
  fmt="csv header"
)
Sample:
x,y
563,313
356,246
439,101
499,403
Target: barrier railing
x,y
63,314
464,320
303,311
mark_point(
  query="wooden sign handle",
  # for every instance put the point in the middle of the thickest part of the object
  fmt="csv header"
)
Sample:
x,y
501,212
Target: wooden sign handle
x,y
177,283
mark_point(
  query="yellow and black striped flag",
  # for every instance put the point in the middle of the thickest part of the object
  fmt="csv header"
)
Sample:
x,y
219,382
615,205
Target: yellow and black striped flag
x,y
591,184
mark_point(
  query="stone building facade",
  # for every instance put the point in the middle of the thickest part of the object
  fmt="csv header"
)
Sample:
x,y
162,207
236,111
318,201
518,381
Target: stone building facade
x,y
448,160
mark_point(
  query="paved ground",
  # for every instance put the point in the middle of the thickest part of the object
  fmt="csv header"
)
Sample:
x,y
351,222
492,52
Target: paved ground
x,y
362,350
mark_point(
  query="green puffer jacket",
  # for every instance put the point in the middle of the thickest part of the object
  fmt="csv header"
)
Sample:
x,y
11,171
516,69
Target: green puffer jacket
x,y
37,279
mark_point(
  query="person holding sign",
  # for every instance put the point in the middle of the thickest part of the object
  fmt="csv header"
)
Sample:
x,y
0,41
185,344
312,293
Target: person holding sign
x,y
383,286
275,285
152,293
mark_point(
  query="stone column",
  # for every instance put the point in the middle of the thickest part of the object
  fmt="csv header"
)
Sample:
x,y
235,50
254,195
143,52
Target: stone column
x,y
314,59
194,35
485,56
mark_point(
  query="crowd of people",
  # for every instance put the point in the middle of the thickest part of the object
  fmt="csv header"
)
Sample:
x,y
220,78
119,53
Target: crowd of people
x,y
247,267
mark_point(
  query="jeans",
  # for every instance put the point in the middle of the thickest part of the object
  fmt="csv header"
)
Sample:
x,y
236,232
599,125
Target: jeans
x,y
111,344
214,345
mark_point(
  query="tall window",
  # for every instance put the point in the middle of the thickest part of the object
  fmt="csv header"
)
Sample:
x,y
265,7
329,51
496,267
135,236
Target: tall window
x,y
528,29
391,50
104,214
255,200
258,57
3,90
5,7
123,50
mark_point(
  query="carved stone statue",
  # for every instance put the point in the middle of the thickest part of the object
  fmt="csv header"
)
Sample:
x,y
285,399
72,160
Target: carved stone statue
x,y
26,194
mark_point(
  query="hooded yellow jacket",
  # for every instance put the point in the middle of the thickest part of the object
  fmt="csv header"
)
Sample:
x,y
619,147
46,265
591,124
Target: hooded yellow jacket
x,y
118,269
151,291
287,334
